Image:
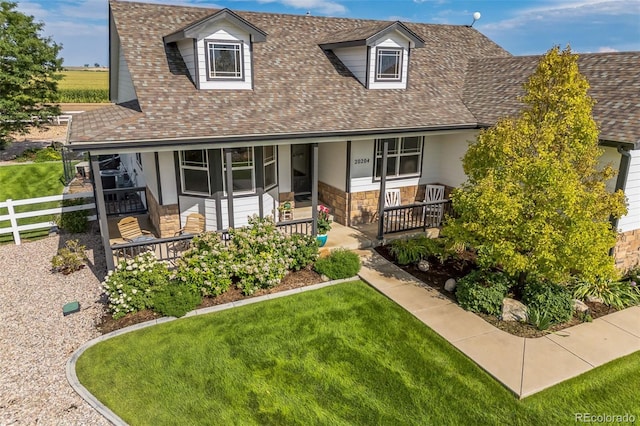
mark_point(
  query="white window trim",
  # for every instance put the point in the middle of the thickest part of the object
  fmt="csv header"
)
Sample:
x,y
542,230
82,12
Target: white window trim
x,y
397,52
252,167
210,47
139,160
201,168
398,155
265,164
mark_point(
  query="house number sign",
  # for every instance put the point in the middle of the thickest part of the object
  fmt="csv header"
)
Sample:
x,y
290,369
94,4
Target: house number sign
x,y
361,161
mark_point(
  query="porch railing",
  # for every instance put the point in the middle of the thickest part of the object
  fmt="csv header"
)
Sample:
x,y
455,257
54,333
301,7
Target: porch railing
x,y
125,201
171,248
421,215
297,226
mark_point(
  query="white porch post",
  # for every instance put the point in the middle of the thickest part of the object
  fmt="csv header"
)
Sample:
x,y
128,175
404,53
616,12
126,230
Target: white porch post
x,y
383,188
314,188
98,195
229,174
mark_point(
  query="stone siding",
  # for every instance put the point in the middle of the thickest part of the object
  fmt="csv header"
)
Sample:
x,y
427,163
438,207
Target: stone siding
x,y
627,250
165,219
336,199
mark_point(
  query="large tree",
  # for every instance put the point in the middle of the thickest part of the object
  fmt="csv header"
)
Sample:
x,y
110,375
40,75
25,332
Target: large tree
x,y
29,65
535,202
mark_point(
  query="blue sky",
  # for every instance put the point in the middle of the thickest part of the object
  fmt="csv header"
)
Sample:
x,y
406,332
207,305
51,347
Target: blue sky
x,y
523,27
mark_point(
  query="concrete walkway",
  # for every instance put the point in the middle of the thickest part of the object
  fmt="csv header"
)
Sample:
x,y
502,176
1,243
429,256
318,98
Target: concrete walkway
x,y
524,365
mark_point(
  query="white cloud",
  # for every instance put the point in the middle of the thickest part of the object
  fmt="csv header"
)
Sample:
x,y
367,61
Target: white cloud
x,y
322,6
562,12
606,49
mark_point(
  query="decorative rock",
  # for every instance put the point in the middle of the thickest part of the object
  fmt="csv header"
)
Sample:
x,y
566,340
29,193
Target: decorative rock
x,y
579,306
513,310
450,285
593,299
423,265
324,278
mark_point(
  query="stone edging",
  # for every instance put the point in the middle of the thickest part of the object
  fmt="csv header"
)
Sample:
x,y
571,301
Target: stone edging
x,y
72,378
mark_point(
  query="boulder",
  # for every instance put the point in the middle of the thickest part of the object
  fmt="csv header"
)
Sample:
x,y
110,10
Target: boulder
x,y
513,310
580,307
423,265
594,299
450,285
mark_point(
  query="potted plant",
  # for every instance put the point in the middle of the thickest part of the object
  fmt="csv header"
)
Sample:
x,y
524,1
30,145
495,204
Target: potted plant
x,y
324,224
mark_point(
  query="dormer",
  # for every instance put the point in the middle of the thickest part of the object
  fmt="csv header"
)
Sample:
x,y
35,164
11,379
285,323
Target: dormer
x,y
377,55
217,50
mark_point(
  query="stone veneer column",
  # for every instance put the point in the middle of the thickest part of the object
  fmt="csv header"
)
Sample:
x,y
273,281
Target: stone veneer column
x,y
627,250
165,219
336,199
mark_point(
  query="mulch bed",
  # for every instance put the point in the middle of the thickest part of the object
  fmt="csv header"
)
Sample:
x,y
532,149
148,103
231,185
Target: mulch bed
x,y
439,273
302,278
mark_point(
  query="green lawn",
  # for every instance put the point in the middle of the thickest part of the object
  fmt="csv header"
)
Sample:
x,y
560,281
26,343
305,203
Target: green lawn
x,y
340,355
29,181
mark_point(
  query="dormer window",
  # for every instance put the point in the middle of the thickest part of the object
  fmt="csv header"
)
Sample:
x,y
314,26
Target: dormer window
x,y
377,54
224,60
388,64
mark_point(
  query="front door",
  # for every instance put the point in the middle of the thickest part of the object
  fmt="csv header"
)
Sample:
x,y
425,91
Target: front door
x,y
301,168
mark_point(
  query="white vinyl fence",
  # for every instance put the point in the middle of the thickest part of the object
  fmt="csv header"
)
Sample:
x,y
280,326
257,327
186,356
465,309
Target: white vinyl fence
x,y
13,217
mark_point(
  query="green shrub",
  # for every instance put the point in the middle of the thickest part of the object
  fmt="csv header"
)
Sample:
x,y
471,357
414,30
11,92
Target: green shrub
x,y
131,286
75,222
305,251
261,254
619,294
175,300
257,256
206,266
553,299
339,264
483,291
409,251
70,258
539,319
413,250
40,155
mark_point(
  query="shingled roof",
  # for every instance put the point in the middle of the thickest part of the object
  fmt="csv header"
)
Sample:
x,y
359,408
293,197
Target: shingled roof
x,y
298,89
460,79
494,85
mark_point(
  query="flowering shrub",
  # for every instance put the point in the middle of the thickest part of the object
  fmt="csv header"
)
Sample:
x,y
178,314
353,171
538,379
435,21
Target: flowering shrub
x,y
324,222
130,287
206,266
305,251
261,254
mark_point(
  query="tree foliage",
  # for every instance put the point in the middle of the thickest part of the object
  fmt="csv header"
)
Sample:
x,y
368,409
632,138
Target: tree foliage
x,y
535,202
29,65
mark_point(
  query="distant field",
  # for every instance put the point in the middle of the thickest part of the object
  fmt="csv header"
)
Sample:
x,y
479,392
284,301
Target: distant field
x,y
84,86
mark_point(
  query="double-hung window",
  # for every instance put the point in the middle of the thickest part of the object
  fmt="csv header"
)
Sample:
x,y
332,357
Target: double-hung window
x,y
270,159
388,64
403,159
225,60
242,170
194,172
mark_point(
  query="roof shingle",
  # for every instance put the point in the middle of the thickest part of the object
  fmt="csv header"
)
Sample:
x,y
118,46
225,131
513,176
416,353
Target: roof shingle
x,y
297,87
493,88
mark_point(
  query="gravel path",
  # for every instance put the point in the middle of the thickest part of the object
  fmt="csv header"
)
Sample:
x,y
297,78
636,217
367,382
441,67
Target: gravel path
x,y
36,340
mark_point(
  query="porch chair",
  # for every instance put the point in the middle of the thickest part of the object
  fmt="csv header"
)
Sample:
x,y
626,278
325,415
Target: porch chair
x,y
194,225
129,228
433,213
130,231
392,198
